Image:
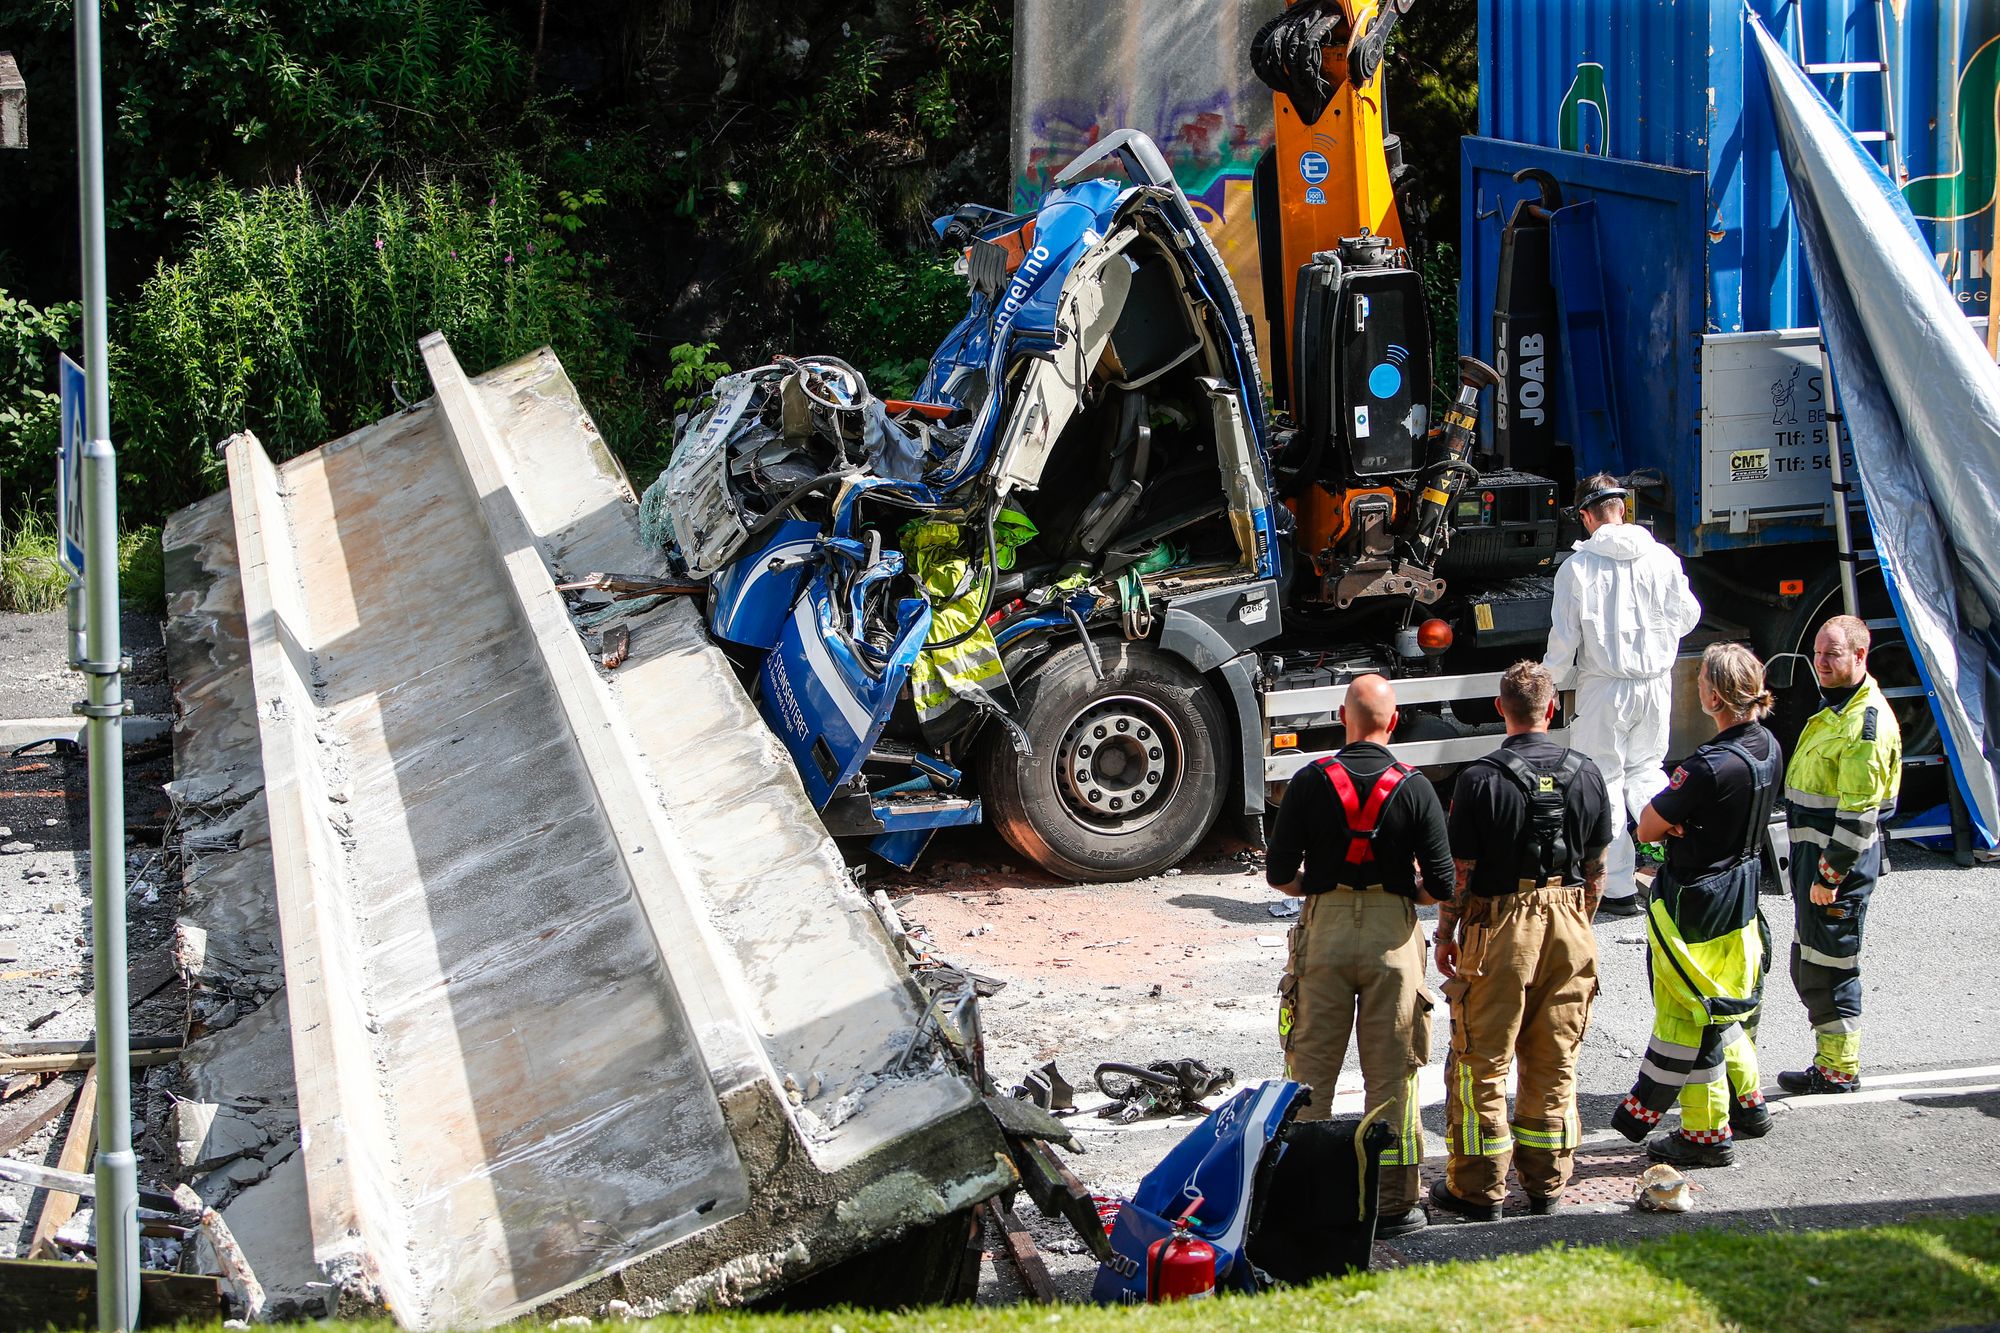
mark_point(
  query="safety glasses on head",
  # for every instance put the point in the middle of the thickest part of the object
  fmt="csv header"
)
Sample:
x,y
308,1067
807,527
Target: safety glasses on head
x,y
1599,496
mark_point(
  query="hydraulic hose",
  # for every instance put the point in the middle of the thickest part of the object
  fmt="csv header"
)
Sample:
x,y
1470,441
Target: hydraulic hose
x,y
979,621
1429,533
788,499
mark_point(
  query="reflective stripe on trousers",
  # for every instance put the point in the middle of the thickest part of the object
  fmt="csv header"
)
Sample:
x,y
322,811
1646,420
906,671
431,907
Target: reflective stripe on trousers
x,y
1527,973
1357,972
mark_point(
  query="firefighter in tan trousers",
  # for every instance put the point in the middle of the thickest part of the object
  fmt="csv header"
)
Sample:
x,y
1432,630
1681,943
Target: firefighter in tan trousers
x,y
1529,827
1362,824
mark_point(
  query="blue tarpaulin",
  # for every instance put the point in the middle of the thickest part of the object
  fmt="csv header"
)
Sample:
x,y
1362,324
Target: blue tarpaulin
x,y
1922,404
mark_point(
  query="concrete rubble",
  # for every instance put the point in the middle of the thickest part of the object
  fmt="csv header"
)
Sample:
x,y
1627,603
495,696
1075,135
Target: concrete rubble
x,y
511,988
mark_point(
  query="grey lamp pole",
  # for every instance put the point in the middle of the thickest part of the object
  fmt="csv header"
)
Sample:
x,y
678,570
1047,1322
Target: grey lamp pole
x,y
117,1168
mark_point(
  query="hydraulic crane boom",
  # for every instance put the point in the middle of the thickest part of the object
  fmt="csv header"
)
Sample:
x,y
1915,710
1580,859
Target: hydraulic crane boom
x,y
1332,173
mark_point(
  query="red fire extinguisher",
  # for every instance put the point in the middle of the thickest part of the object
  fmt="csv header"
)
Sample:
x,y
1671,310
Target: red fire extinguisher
x,y
1181,1267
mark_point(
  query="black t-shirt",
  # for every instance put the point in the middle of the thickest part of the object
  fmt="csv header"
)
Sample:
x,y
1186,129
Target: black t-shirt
x,y
1489,817
1312,825
1711,797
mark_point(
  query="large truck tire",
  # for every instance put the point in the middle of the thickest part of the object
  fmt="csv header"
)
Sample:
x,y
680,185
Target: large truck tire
x,y
1128,772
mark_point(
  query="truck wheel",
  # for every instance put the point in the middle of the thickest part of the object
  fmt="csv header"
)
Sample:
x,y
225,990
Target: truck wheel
x,y
1128,773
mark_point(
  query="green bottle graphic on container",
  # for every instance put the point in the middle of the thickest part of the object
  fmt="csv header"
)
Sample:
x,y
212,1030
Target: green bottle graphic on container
x,y
1585,90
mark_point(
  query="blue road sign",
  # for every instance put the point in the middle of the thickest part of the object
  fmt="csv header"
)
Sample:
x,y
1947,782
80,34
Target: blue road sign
x,y
69,467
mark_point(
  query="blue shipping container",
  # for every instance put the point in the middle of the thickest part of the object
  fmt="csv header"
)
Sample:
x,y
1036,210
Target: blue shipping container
x,y
1658,114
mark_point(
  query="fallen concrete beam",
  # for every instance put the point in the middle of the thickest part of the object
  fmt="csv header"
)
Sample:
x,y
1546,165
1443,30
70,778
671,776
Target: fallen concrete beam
x,y
574,982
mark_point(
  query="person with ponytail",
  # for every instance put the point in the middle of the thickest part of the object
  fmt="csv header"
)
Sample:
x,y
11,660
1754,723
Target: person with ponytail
x,y
1710,948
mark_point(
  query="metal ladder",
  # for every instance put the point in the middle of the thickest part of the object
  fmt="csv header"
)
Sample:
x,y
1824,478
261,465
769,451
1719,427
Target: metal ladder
x,y
1892,154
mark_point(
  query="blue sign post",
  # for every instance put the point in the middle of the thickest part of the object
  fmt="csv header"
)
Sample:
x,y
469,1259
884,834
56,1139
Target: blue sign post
x,y
70,493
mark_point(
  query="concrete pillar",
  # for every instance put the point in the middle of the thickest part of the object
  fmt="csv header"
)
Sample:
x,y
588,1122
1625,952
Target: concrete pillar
x,y
13,104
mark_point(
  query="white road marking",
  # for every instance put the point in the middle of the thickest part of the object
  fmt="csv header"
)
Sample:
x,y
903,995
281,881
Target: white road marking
x,y
1927,1076
1816,1101
1350,1098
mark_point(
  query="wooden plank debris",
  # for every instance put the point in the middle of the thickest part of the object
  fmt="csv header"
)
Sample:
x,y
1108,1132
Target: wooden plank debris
x,y
244,1288
160,1041
52,1294
1021,1248
58,1207
974,1258
20,1119
1058,1193
83,1186
68,1062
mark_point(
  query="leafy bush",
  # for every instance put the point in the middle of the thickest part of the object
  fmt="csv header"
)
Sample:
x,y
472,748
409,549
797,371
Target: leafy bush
x,y
694,369
247,88
29,340
883,311
32,579
1437,264
1433,85
300,321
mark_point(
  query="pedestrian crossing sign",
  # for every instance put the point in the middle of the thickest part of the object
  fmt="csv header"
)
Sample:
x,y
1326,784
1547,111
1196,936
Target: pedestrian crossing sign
x,y
69,465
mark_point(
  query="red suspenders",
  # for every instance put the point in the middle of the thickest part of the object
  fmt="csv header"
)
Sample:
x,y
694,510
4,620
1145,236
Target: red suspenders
x,y
1362,817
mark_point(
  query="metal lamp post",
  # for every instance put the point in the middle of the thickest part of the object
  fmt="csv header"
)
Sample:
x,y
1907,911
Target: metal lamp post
x,y
101,662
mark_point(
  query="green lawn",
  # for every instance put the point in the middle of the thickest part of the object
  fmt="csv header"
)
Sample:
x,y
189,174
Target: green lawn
x,y
1929,1274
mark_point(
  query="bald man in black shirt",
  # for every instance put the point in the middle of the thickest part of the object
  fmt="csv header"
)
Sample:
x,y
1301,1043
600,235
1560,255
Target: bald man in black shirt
x,y
1362,824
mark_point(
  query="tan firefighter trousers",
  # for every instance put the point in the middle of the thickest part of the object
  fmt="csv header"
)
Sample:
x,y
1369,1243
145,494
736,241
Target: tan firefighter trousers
x,y
1357,967
1527,973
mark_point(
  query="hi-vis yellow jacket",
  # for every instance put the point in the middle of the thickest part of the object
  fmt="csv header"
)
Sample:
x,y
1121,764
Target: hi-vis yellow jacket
x,y
1844,776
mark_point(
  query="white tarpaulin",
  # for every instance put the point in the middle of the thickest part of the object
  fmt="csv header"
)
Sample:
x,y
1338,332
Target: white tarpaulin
x,y
1922,400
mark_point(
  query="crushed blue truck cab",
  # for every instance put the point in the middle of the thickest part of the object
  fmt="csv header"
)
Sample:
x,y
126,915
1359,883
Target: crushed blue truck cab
x,y
1044,593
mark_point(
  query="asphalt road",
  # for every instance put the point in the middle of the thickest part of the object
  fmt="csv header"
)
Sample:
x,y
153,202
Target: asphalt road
x,y
1187,965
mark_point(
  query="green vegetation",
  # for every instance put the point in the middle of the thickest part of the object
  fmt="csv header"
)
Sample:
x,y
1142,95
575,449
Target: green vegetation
x,y
894,309
31,576
695,368
296,195
1437,264
1929,1274
142,570
236,89
32,579
300,322
29,339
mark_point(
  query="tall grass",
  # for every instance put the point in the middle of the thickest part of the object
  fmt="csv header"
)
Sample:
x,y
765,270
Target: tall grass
x,y
299,320
33,581
31,575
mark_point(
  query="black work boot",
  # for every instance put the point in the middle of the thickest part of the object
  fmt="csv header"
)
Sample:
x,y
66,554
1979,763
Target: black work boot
x,y
1635,905
1677,1149
1544,1205
1749,1122
1390,1225
1815,1080
1465,1208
